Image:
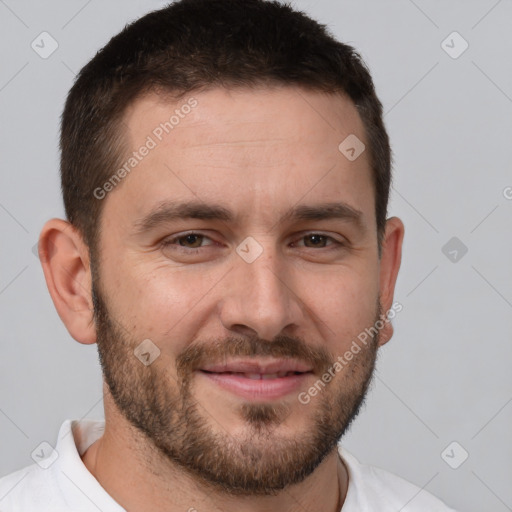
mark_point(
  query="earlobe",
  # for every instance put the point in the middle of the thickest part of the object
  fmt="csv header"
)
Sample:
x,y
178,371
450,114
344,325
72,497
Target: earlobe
x,y
389,267
65,261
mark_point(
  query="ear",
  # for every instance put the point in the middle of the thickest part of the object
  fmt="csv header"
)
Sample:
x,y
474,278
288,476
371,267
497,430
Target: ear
x,y
65,260
389,265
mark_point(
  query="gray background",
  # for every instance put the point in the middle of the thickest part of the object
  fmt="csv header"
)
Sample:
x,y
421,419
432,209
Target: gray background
x,y
445,376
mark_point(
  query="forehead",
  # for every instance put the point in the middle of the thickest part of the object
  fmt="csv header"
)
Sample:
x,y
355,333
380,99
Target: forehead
x,y
257,151
277,114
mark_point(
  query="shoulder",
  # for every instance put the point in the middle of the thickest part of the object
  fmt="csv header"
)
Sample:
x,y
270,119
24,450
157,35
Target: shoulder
x,y
28,488
374,489
59,482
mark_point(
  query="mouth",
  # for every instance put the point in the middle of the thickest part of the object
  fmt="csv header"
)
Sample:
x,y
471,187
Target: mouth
x,y
258,380
258,376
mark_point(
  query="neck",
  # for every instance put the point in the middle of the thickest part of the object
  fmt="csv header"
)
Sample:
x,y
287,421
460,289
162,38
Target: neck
x,y
139,478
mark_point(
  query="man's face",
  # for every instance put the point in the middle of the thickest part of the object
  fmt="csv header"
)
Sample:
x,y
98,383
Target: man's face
x,y
216,295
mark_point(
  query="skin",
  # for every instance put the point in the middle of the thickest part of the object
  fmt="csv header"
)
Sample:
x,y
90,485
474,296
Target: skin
x,y
259,153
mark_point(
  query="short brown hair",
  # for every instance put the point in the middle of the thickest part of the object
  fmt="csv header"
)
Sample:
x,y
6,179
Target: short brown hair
x,y
194,45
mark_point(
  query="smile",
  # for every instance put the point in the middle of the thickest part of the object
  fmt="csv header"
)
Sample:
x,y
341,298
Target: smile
x,y
258,386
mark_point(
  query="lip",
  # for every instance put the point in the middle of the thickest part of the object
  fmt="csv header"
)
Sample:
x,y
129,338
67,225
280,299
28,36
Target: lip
x,y
258,366
228,376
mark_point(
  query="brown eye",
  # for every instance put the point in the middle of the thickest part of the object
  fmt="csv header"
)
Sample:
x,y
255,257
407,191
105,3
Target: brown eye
x,y
319,241
188,241
193,239
316,240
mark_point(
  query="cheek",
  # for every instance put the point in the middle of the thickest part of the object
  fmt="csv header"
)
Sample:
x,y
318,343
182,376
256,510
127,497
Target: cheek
x,y
344,300
158,303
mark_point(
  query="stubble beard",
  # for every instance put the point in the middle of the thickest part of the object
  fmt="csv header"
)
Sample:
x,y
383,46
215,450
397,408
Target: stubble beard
x,y
259,462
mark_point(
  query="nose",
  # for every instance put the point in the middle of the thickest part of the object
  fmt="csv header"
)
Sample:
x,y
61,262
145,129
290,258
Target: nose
x,y
261,298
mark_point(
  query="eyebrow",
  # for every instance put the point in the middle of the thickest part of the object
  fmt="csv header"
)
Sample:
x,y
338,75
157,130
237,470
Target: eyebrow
x,y
168,211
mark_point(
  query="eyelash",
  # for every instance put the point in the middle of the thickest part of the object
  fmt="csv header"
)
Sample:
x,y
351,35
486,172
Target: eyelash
x,y
172,241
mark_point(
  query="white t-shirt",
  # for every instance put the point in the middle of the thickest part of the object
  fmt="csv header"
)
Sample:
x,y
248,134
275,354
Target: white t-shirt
x,y
59,481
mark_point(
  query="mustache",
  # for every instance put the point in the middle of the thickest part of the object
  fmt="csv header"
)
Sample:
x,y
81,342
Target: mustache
x,y
196,355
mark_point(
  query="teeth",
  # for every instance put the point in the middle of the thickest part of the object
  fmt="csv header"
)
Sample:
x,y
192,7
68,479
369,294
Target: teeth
x,y
266,376
262,376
